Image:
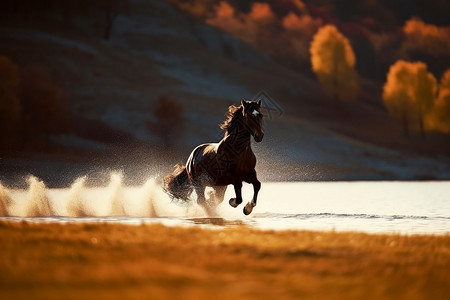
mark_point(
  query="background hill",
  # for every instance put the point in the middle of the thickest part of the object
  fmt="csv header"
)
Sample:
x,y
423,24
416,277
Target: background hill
x,y
99,70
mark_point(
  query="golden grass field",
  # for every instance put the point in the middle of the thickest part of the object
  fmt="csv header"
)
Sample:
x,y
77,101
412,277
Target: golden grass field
x,y
115,261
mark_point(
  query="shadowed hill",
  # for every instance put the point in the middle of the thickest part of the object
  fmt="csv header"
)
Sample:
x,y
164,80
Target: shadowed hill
x,y
157,50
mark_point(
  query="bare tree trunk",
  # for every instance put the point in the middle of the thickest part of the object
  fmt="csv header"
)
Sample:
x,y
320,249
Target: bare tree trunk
x,y
422,131
405,124
112,9
109,18
335,82
421,125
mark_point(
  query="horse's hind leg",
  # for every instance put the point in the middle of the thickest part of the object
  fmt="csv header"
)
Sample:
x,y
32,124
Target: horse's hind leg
x,y
219,193
201,200
253,179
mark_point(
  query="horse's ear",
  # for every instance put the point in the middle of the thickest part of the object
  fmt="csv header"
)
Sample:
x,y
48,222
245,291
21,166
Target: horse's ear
x,y
243,102
259,102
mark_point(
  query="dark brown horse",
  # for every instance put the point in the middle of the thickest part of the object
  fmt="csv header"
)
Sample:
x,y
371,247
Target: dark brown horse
x,y
231,161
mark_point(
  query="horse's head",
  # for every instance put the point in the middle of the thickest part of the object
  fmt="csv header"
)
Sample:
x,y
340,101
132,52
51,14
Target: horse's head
x,y
253,118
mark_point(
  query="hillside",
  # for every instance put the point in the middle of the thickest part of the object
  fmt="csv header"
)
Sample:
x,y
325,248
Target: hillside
x,y
157,50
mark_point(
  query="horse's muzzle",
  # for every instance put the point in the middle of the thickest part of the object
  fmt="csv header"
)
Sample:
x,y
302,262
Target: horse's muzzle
x,y
258,137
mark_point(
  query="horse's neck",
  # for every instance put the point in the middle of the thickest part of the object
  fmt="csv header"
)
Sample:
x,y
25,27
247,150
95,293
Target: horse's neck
x,y
239,138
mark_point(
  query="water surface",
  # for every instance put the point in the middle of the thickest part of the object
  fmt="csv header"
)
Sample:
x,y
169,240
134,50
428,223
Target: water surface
x,y
373,207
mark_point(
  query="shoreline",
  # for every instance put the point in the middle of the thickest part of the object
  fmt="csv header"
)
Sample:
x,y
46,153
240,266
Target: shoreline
x,y
208,223
112,261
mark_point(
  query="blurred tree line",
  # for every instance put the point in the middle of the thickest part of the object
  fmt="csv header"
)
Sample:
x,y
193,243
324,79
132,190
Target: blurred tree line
x,y
32,108
348,42
411,93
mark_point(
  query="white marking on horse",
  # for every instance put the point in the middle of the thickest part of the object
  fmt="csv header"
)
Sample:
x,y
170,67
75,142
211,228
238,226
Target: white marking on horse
x,y
255,112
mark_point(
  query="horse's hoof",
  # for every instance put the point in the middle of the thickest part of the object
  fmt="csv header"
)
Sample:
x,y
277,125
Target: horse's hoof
x,y
233,202
248,208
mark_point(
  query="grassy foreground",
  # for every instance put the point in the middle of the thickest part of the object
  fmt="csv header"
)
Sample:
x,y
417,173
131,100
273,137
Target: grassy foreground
x,y
114,261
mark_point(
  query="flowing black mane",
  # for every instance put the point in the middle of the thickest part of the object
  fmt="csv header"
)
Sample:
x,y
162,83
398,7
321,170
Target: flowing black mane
x,y
233,114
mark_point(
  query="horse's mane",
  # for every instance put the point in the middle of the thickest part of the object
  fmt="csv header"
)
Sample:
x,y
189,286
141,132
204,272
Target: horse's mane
x,y
234,112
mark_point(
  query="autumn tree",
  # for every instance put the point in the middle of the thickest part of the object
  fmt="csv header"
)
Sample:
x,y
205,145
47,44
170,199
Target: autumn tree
x,y
333,61
408,94
439,117
10,109
111,10
169,120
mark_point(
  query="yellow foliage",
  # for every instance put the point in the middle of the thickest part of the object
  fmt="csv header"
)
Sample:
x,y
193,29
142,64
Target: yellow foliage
x,y
417,26
333,61
445,81
409,92
439,117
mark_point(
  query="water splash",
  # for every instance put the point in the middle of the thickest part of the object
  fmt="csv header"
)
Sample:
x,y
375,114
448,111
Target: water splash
x,y
79,200
37,202
148,194
5,201
76,206
116,195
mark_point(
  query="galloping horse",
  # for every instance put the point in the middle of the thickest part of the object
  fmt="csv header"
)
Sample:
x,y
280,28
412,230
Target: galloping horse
x,y
231,161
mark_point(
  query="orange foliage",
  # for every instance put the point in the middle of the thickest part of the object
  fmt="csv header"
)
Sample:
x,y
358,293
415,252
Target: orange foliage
x,y
409,93
224,10
224,17
288,37
417,26
254,27
304,24
426,37
333,60
298,32
299,5
261,12
439,117
198,8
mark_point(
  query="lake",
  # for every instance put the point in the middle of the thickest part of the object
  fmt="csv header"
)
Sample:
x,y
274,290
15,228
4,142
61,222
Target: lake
x,y
372,207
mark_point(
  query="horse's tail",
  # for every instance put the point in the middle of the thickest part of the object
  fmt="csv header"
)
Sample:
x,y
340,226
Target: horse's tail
x,y
177,184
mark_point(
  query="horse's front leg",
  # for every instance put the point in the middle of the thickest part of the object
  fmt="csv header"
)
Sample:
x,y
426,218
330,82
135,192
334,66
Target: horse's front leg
x,y
238,191
256,187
